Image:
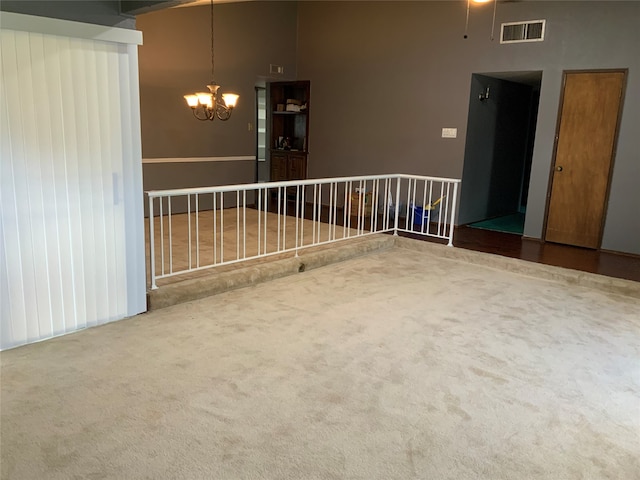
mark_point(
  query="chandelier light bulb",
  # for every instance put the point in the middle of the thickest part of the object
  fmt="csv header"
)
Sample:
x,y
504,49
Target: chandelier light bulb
x,y
230,99
204,98
192,100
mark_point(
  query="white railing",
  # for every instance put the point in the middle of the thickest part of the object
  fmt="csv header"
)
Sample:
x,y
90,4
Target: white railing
x,y
197,228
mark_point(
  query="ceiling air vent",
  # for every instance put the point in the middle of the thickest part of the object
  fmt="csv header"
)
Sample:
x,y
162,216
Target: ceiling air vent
x,y
518,32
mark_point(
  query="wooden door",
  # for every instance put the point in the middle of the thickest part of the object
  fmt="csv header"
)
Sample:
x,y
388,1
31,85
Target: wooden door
x,y
585,147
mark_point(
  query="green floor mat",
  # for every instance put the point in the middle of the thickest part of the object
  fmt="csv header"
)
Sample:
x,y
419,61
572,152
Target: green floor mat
x,y
513,223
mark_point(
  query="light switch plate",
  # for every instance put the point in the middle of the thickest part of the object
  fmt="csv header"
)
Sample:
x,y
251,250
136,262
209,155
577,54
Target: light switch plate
x,y
449,132
278,69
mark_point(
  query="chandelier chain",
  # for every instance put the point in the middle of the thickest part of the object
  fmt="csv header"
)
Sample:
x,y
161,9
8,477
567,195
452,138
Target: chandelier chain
x,y
212,76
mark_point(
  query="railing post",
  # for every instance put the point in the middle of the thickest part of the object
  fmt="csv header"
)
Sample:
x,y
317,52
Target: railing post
x,y
152,257
297,216
453,214
397,206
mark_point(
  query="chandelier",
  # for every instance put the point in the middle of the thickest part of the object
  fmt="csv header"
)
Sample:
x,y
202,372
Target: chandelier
x,y
207,105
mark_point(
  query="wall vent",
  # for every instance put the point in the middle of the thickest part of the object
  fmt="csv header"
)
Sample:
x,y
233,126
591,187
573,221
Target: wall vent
x,y
518,32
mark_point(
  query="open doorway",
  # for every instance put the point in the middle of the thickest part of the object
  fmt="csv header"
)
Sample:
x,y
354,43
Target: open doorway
x,y
503,110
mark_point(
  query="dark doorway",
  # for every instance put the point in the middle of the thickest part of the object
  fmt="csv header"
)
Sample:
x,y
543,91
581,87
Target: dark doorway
x,y
503,110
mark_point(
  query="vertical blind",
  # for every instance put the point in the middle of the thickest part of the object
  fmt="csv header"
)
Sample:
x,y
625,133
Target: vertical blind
x,y
71,231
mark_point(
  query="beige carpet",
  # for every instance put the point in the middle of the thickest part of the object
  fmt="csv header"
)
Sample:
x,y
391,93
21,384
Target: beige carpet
x,y
396,365
239,235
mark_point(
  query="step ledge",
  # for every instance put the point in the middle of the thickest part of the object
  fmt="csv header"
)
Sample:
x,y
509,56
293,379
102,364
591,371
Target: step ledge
x,y
566,276
217,282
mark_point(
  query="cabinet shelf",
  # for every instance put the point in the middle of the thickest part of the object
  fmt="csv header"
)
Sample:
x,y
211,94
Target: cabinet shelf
x,y
290,113
291,150
290,129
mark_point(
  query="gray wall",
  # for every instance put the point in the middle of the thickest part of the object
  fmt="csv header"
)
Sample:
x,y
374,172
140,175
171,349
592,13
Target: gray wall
x,y
390,75
100,12
175,60
160,176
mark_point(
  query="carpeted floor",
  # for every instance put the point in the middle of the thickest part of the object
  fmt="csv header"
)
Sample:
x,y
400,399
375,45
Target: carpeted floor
x,y
395,365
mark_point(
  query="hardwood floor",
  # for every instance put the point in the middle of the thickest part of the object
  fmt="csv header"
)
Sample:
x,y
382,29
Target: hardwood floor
x,y
510,245
618,265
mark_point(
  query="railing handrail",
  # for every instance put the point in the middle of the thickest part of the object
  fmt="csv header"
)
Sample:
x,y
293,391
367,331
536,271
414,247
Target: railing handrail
x,y
372,204
425,177
288,183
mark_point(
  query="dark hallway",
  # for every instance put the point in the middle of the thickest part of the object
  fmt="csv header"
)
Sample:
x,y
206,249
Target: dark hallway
x,y
503,110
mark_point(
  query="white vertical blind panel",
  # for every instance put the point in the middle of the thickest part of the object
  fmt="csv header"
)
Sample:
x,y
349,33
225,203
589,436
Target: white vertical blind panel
x,y
109,132
72,183
118,278
94,184
106,136
64,224
12,304
16,225
132,182
77,78
64,317
5,310
48,293
32,218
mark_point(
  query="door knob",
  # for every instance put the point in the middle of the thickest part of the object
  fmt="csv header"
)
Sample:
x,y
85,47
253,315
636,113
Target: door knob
x,y
558,169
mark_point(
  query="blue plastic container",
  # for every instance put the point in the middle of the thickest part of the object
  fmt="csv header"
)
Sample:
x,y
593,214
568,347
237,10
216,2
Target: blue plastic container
x,y
418,214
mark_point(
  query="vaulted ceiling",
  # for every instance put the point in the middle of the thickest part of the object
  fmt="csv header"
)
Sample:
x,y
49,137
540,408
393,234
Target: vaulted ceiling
x,y
138,7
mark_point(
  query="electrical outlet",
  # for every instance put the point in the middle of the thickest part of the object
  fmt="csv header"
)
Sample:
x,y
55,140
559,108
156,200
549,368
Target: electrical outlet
x,y
250,126
449,132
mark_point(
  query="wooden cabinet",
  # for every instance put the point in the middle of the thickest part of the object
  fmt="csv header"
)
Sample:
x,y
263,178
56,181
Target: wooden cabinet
x,y
288,166
289,129
297,166
279,166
